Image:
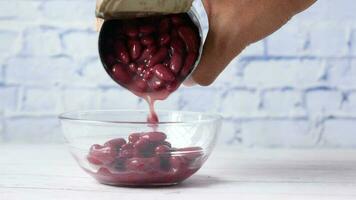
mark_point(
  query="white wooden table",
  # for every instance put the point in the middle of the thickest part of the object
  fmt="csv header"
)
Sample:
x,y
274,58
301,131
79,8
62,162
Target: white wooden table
x,y
33,172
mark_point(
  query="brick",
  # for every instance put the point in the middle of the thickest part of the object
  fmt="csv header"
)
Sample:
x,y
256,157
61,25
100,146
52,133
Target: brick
x,y
349,106
341,73
320,11
329,40
283,103
230,133
41,41
277,133
240,103
2,74
69,10
231,76
198,99
340,133
8,41
40,100
277,73
81,44
33,130
294,38
79,99
323,101
91,74
9,98
118,99
256,49
39,71
2,128
23,10
353,42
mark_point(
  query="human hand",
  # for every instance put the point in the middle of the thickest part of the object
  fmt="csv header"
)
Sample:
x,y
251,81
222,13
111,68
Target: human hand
x,y
235,24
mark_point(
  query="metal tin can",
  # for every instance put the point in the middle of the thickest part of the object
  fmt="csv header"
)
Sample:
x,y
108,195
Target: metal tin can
x,y
199,17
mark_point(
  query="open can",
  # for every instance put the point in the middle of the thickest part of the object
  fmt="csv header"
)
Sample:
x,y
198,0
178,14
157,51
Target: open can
x,y
196,13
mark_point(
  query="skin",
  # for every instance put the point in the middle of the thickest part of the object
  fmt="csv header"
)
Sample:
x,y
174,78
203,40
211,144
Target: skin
x,y
235,24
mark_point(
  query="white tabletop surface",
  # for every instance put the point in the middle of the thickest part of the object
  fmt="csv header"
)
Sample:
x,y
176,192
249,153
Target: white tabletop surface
x,y
34,172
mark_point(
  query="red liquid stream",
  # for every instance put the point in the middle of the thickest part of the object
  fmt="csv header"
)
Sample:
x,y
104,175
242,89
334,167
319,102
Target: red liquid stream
x,y
152,116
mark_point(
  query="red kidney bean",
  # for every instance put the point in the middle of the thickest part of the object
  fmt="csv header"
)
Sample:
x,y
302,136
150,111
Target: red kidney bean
x,y
147,54
174,34
140,69
104,154
148,73
177,20
162,150
150,55
177,46
147,40
191,152
176,62
135,49
131,30
156,83
110,60
134,137
166,143
120,74
126,153
121,52
104,172
188,64
178,164
133,67
154,136
115,143
127,146
189,37
163,73
171,87
164,39
166,62
147,29
141,85
93,160
164,25
120,163
141,144
143,164
158,57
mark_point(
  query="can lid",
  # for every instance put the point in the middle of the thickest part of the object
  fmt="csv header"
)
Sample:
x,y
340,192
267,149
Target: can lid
x,y
116,9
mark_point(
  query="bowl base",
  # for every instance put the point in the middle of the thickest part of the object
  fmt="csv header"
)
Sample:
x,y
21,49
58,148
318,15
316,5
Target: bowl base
x,y
149,185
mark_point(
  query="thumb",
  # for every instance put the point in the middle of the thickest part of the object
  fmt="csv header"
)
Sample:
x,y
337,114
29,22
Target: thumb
x,y
213,61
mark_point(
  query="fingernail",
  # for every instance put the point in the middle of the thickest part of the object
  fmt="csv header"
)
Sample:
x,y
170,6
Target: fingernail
x,y
189,82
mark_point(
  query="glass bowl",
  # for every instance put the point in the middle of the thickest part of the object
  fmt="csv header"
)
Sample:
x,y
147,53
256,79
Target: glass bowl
x,y
118,147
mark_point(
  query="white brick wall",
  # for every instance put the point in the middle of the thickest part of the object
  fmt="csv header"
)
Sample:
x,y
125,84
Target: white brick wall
x,y
282,73
278,133
340,133
41,41
296,88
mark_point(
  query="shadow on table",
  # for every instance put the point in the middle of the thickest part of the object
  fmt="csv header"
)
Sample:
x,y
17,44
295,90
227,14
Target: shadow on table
x,y
200,181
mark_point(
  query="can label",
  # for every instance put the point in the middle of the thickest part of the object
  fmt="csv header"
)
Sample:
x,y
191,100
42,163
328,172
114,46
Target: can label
x,y
109,9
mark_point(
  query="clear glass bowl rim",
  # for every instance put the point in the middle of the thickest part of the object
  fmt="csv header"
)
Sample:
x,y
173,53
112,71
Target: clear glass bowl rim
x,y
73,116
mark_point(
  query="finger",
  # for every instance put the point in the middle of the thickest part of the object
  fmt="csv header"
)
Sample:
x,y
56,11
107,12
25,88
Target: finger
x,y
189,82
213,61
98,23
